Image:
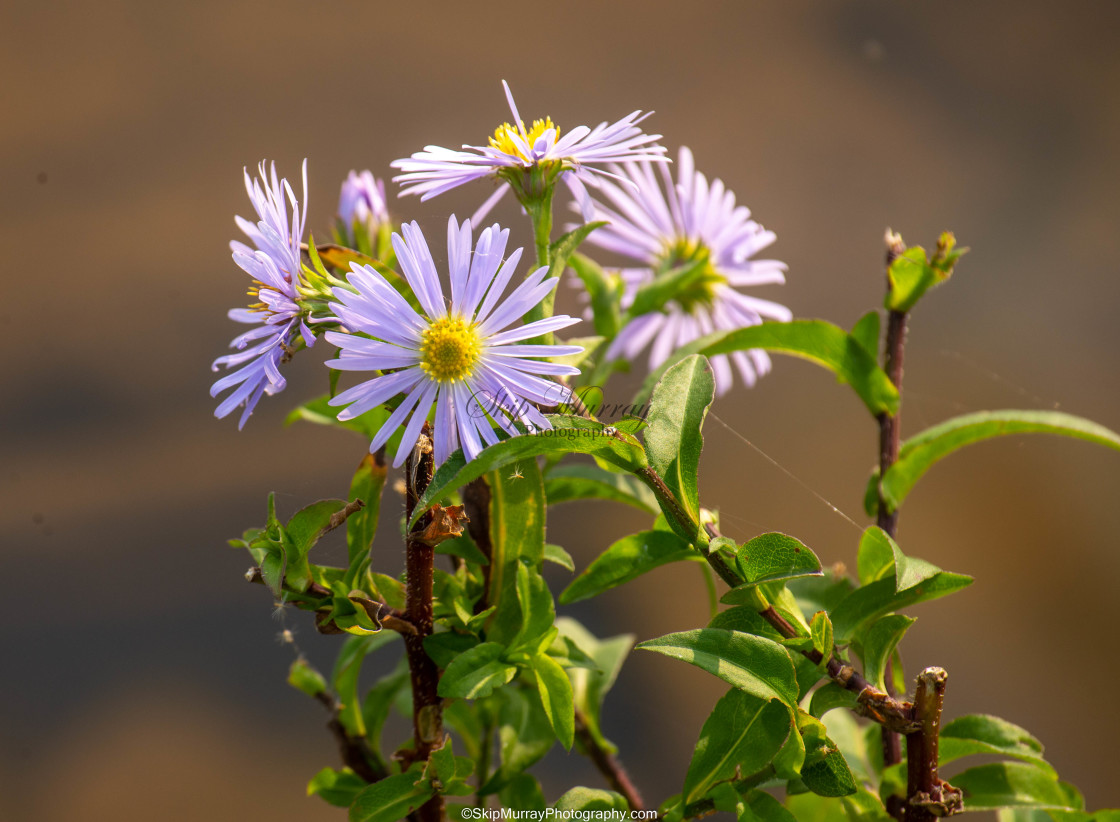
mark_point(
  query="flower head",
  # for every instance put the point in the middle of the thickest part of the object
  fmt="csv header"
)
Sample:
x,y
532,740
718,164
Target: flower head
x,y
459,356
275,266
664,226
362,201
529,158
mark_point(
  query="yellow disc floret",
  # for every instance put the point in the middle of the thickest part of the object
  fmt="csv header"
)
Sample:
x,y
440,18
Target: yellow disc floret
x,y
506,144
449,349
700,290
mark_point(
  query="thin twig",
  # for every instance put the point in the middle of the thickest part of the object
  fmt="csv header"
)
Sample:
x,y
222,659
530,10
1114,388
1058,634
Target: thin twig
x,y
607,764
356,753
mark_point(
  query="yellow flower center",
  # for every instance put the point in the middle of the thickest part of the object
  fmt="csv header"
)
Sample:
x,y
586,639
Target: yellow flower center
x,y
700,290
506,144
449,349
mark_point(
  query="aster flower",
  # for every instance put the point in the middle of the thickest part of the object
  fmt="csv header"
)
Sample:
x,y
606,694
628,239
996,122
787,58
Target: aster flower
x,y
665,226
362,205
515,152
275,266
460,357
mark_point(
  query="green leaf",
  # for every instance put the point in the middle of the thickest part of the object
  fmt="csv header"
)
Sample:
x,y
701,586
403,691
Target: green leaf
x,y
537,612
820,629
756,665
653,295
566,483
768,558
920,452
742,734
517,520
627,559
866,332
444,647
1011,785
566,246
568,435
361,526
320,412
982,734
879,642
879,598
525,734
591,799
912,273
300,535
814,340
523,793
303,677
391,799
558,556
830,696
605,292
556,696
347,668
337,788
589,687
825,771
379,700
875,559
765,808
673,440
476,673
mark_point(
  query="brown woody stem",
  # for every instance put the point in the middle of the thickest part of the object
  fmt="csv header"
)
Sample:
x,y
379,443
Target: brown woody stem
x,y
427,715
608,766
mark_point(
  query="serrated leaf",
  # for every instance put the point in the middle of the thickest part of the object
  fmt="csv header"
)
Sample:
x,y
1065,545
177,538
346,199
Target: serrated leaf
x,y
567,483
756,665
556,696
568,435
1011,785
982,734
768,558
673,440
879,642
879,598
627,559
391,799
920,452
476,673
818,341
742,734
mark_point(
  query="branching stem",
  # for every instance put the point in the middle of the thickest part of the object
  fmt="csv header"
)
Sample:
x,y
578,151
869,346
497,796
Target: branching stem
x,y
607,764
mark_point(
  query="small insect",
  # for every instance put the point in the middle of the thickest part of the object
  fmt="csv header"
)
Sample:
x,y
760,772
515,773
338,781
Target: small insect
x,y
516,474
610,431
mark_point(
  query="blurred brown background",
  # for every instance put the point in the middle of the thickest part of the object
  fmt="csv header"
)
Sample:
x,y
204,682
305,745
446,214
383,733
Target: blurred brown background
x,y
141,678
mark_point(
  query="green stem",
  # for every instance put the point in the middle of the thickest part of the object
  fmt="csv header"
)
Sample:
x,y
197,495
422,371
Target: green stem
x,y
540,212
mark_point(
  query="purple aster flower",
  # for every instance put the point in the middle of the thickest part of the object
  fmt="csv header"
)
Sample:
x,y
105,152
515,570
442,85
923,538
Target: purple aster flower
x,y
275,267
362,201
515,149
664,226
461,357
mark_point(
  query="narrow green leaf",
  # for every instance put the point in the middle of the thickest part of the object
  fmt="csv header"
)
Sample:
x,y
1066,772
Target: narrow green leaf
x,y
653,295
879,642
1011,785
318,411
567,483
361,527
522,794
830,696
676,414
875,559
768,558
590,686
741,736
336,788
347,669
391,799
866,332
982,734
525,735
567,245
445,646
568,435
605,292
756,665
556,696
912,273
879,598
303,677
815,340
820,629
558,556
476,673
517,521
825,771
537,611
920,452
627,559
379,700
765,808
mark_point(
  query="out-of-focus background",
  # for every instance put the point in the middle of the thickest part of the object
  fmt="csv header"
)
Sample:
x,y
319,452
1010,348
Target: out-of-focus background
x,y
141,674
